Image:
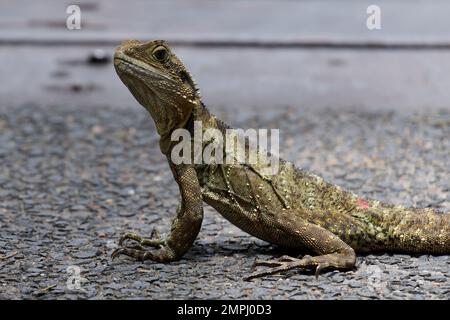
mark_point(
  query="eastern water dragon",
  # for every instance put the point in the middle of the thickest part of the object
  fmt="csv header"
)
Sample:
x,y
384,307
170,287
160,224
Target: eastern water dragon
x,y
292,208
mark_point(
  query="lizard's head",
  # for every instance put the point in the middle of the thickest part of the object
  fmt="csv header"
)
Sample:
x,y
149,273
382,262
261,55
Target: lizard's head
x,y
159,81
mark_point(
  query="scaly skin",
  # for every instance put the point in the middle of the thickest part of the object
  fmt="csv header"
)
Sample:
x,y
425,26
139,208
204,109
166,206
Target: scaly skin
x,y
291,209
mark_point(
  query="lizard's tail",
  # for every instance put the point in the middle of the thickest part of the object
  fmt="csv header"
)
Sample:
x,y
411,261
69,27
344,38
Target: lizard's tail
x,y
415,230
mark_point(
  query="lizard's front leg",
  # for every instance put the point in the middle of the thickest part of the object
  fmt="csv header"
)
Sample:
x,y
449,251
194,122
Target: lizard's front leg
x,y
185,227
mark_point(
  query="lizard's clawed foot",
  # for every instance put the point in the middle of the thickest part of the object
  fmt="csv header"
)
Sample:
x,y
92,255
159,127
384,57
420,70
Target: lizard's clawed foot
x,y
284,263
138,251
337,260
154,240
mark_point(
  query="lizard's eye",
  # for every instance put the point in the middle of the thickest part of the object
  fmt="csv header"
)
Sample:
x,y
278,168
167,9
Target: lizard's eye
x,y
161,54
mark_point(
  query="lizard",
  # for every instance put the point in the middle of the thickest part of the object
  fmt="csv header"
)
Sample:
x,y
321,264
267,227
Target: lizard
x,y
293,208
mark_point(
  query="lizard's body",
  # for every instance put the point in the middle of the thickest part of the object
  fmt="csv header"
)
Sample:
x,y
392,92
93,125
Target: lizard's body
x,y
291,208
251,200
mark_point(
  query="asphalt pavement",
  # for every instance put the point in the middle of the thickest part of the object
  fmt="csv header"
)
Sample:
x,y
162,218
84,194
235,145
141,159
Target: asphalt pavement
x,y
73,180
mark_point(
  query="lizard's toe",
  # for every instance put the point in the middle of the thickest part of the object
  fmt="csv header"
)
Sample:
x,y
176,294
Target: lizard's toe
x,y
137,254
152,242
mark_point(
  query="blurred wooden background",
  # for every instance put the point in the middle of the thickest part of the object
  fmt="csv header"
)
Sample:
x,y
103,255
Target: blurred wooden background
x,y
243,53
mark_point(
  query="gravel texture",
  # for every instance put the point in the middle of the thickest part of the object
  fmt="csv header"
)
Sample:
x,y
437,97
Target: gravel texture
x,y
73,180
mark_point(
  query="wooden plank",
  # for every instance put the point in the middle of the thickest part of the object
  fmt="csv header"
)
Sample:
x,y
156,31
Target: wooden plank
x,y
276,21
244,79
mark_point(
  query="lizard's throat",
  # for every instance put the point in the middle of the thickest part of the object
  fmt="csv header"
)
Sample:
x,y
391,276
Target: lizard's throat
x,y
167,113
154,104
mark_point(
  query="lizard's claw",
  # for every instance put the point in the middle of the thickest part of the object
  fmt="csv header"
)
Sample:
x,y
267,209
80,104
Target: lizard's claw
x,y
155,234
277,262
116,252
272,263
320,267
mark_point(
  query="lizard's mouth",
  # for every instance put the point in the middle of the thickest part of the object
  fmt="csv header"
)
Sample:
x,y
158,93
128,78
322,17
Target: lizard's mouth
x,y
133,67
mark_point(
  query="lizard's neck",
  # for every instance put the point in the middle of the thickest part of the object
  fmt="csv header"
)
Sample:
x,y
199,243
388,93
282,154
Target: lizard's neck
x,y
199,113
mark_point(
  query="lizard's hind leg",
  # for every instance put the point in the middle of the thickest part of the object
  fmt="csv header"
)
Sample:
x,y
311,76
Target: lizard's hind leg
x,y
333,253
